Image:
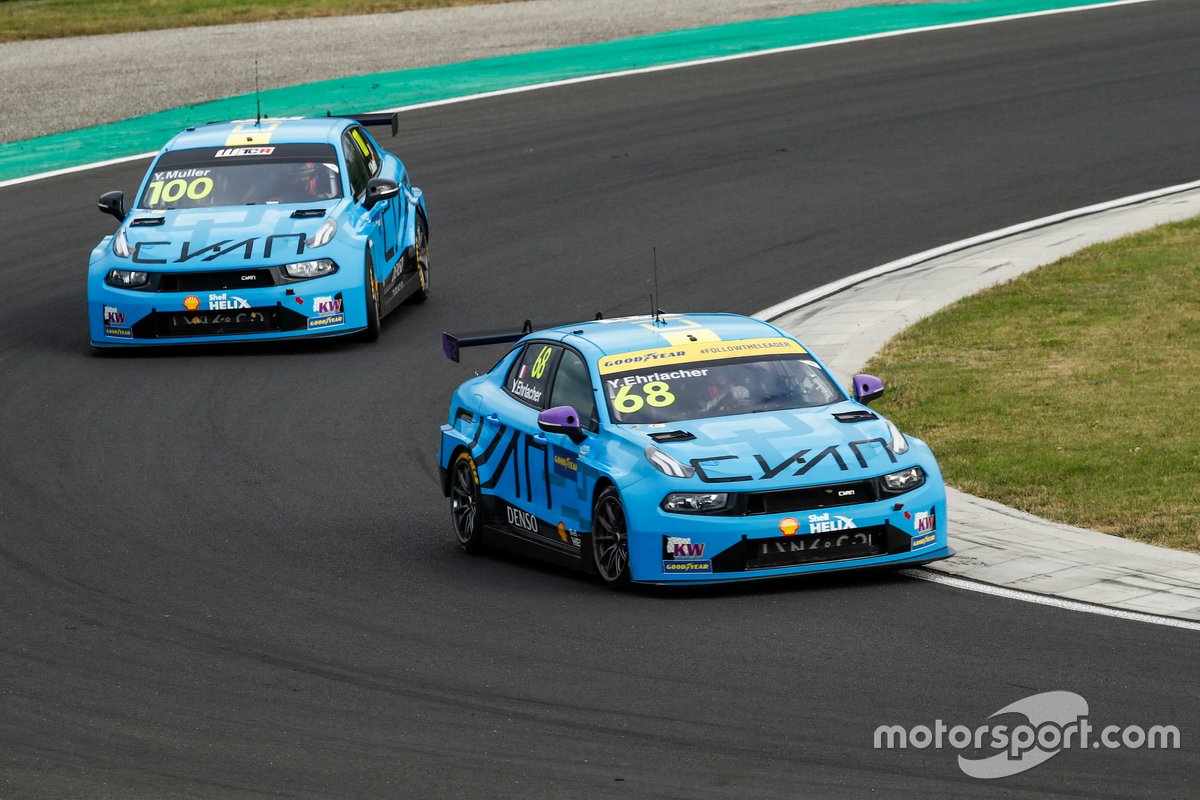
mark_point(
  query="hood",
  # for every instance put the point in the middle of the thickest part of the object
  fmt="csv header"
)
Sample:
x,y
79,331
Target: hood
x,y
223,237
779,448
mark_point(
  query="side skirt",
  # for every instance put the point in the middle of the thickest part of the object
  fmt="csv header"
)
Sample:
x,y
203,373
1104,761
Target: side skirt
x,y
401,284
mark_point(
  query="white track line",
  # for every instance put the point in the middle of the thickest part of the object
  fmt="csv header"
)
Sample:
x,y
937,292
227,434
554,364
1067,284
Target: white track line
x,y
643,71
1048,600
821,292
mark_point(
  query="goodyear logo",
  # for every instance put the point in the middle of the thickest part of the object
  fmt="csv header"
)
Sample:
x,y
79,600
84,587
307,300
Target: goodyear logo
x,y
326,322
564,464
123,332
693,352
687,566
927,539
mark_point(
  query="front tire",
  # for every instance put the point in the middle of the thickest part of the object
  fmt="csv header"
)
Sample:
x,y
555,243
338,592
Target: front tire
x,y
371,291
465,510
610,540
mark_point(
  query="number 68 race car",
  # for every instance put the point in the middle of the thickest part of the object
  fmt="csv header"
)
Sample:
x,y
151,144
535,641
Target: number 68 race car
x,y
261,230
683,449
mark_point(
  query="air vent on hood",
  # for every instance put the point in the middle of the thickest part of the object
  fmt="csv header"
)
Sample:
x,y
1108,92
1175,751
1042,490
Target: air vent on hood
x,y
147,221
673,436
305,213
854,416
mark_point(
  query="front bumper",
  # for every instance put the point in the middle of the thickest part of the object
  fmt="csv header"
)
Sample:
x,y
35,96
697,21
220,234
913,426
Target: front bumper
x,y
699,548
329,306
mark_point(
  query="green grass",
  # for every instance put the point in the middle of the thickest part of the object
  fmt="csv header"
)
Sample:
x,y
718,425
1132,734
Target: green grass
x,y
1072,392
49,19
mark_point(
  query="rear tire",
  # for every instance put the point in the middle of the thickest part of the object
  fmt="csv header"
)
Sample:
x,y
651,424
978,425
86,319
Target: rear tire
x,y
421,254
610,540
465,510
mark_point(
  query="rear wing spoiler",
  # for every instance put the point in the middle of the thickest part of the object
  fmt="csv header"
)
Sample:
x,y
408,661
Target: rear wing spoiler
x,y
452,343
391,119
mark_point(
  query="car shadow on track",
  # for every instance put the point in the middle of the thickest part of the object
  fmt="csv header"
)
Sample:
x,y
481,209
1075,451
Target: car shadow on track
x,y
791,585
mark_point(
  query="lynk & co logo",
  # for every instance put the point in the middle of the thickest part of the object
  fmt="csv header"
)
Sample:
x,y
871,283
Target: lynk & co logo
x,y
1053,722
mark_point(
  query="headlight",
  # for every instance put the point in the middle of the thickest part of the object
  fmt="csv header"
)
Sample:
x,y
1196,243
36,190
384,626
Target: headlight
x,y
898,444
302,270
126,279
120,245
689,503
324,234
667,465
904,480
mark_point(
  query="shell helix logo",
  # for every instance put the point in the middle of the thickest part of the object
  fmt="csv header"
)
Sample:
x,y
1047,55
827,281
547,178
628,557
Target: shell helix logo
x,y
191,302
788,526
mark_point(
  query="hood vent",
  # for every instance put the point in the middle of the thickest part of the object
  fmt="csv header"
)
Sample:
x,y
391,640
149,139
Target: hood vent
x,y
672,436
139,222
854,416
306,213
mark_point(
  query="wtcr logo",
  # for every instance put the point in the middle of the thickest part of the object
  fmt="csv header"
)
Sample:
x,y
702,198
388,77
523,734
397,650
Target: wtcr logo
x,y
1054,721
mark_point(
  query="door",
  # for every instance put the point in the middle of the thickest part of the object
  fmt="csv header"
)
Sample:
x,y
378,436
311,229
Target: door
x,y
568,496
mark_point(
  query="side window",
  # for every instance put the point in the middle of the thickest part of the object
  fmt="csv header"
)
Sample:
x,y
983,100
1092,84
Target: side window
x,y
363,143
530,375
573,387
356,165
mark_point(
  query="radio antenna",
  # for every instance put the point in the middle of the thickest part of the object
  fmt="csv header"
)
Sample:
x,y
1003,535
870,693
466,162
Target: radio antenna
x,y
257,96
654,297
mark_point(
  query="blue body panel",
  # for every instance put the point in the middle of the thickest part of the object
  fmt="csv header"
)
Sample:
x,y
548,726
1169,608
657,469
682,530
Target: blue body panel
x,y
184,244
539,488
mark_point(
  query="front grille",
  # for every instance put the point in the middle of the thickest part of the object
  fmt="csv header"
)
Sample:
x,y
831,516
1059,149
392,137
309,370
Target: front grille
x,y
214,280
175,324
831,495
813,548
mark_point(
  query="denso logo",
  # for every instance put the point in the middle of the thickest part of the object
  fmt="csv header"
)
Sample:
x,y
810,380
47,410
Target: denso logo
x,y
521,519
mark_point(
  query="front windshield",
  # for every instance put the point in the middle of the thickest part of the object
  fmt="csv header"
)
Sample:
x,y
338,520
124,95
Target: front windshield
x,y
238,176
717,388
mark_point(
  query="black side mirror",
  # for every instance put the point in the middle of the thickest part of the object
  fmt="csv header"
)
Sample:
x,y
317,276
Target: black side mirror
x,y
112,203
379,189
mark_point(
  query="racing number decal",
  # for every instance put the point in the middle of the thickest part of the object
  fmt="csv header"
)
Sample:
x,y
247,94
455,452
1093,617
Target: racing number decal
x,y
357,136
539,366
174,190
658,394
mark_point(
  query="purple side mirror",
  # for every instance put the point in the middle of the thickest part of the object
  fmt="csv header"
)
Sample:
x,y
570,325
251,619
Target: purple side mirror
x,y
867,388
561,419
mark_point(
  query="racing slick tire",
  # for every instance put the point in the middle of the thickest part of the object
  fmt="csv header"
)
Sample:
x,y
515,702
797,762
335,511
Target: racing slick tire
x,y
610,540
465,511
421,254
371,293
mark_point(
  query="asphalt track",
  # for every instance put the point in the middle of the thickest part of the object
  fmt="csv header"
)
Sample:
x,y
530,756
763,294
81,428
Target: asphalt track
x,y
229,572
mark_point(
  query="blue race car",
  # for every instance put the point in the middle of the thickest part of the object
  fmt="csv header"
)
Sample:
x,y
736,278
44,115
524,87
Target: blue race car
x,y
268,229
683,449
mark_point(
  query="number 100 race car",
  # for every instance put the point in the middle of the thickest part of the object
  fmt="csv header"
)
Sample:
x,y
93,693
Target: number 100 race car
x,y
261,230
683,449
